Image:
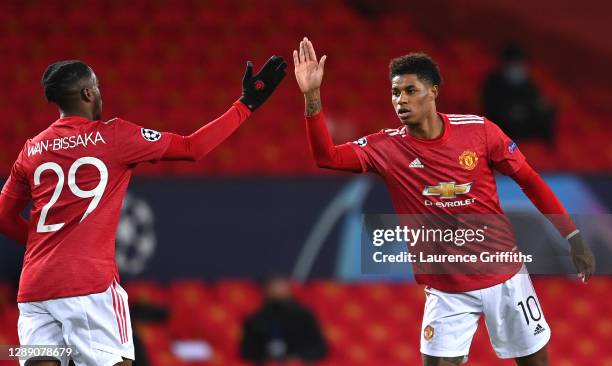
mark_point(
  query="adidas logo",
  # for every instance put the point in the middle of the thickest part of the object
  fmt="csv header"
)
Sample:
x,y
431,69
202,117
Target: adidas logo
x,y
416,163
538,329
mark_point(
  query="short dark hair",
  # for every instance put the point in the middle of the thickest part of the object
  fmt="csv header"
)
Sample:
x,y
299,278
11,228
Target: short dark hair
x,y
60,77
420,64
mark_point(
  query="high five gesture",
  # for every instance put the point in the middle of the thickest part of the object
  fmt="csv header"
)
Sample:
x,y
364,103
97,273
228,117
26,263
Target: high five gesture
x,y
309,75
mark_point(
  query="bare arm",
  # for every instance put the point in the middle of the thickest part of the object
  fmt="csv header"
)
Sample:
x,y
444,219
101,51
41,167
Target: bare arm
x,y
312,102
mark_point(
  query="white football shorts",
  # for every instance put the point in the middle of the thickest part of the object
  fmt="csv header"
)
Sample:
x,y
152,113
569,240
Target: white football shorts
x,y
97,327
513,316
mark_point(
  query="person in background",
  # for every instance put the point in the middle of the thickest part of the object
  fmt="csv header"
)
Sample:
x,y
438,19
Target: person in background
x,y
512,99
282,330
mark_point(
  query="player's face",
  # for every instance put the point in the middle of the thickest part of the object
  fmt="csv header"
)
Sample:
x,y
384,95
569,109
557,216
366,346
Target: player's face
x,y
412,98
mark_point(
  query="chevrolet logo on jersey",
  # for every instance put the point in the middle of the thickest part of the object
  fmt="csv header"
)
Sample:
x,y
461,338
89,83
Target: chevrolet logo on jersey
x,y
447,190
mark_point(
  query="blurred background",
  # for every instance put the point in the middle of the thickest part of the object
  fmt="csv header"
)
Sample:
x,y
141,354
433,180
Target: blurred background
x,y
250,255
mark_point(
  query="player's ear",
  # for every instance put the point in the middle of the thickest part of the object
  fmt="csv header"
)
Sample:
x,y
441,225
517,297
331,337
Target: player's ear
x,y
434,91
88,94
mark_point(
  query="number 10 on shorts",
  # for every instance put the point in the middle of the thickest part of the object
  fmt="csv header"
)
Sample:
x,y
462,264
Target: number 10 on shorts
x,y
530,306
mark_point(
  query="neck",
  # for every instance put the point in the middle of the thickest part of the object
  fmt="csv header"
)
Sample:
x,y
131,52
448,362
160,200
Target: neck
x,y
76,113
429,128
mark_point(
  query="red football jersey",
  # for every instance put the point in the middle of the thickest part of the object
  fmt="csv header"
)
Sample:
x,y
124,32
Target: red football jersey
x,y
450,175
76,173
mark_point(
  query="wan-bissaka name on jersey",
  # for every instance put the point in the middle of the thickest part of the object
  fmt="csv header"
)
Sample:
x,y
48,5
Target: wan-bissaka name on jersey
x,y
66,142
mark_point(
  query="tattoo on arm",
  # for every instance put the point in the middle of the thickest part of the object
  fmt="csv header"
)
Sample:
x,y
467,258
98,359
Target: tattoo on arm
x,y
313,102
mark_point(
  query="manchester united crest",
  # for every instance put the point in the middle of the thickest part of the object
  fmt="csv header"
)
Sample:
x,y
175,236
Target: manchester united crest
x,y
468,160
428,333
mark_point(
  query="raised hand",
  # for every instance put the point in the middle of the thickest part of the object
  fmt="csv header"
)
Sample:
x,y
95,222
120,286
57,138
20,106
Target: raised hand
x,y
256,89
308,71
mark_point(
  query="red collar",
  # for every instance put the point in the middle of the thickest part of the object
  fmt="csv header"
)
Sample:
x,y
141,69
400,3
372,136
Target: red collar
x,y
431,142
71,120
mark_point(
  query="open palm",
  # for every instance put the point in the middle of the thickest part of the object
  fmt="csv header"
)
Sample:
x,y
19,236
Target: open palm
x,y
308,71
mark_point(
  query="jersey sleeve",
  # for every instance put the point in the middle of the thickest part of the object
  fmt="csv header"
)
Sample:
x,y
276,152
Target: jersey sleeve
x,y
135,144
503,153
324,152
369,152
17,185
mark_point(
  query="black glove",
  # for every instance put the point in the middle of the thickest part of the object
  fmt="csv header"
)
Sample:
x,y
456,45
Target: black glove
x,y
257,89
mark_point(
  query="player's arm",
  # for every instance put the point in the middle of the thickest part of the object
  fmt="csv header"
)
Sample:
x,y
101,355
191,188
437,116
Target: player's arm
x,y
545,200
256,89
12,224
13,199
325,153
208,137
309,76
506,158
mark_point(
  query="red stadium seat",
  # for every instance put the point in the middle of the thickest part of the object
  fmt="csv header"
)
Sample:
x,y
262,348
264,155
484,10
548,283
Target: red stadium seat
x,y
188,301
241,297
157,345
183,65
146,293
164,54
364,324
